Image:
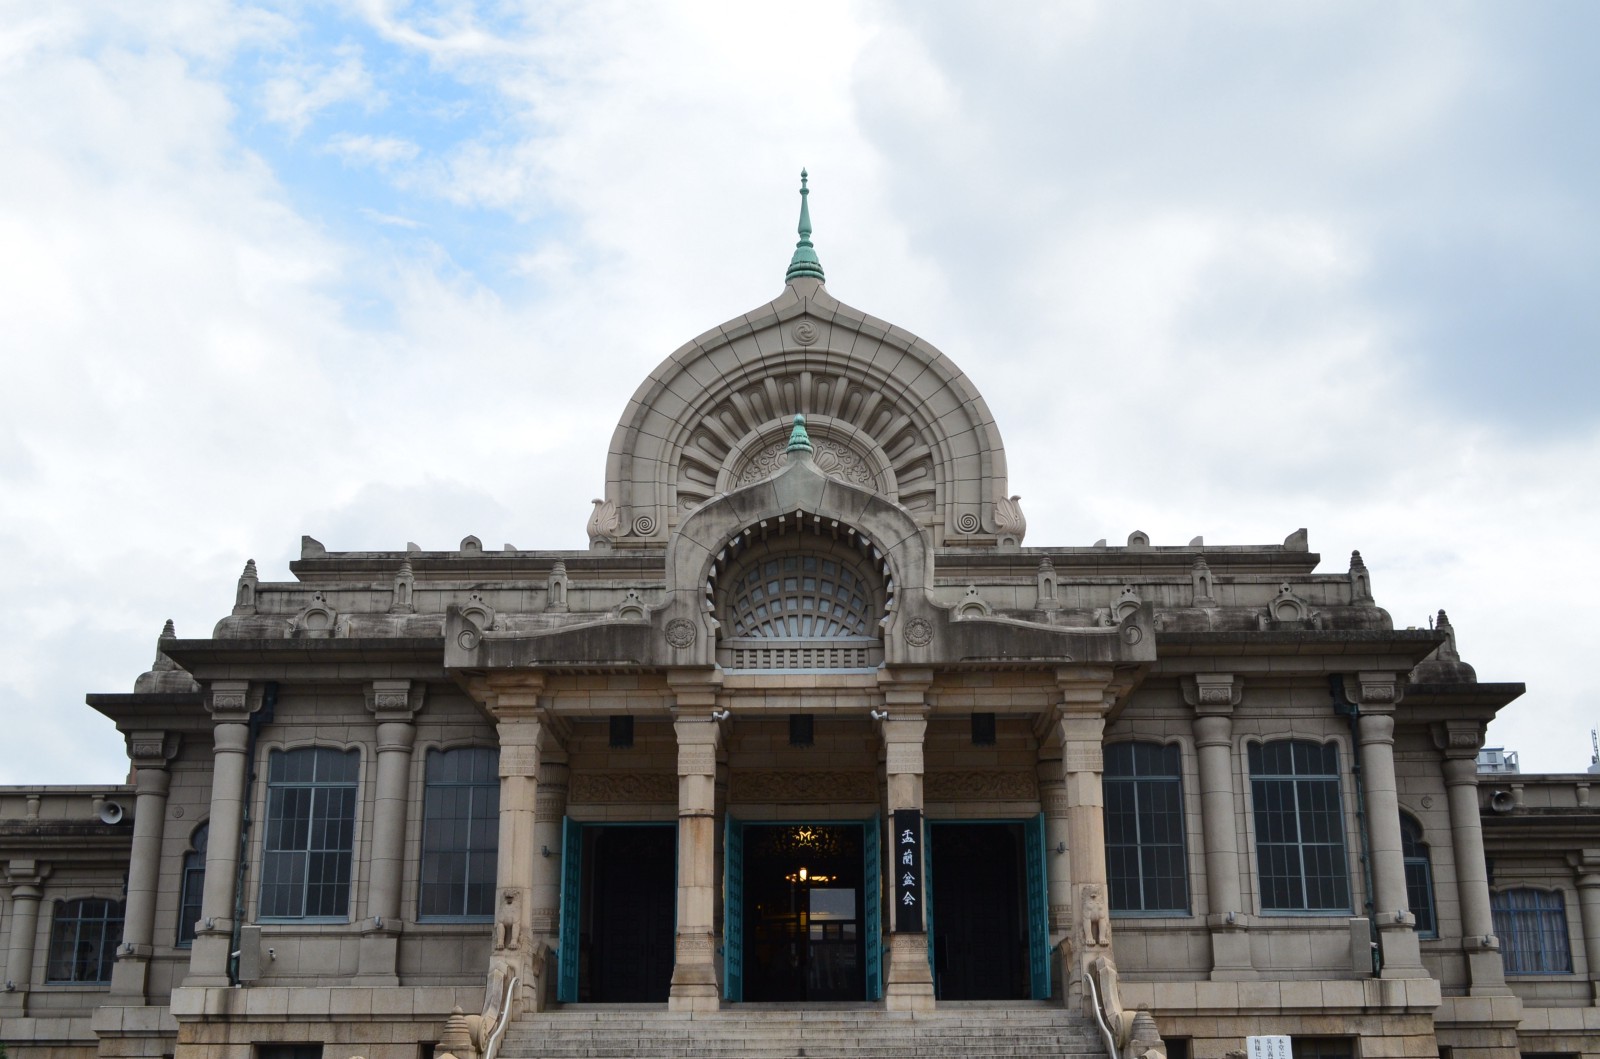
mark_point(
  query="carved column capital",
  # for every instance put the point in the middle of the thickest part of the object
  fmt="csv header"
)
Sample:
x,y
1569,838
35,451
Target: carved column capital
x,y
1460,739
395,700
508,695
26,876
1212,693
151,751
232,701
1377,692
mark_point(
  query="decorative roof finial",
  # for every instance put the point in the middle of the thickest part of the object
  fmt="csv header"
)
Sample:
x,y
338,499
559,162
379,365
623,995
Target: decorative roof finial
x,y
799,440
804,263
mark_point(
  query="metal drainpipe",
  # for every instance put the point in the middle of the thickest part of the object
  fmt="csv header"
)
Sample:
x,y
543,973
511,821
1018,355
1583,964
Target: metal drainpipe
x,y
1344,707
263,716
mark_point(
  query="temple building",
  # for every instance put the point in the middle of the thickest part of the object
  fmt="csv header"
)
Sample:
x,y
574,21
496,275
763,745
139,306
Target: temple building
x,y
807,750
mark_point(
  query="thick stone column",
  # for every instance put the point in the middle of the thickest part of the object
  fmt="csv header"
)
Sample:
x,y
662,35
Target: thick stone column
x,y
231,703
1213,696
694,970
26,880
1057,856
524,728
1402,957
1460,741
150,752
550,808
1080,721
394,704
907,980
1587,864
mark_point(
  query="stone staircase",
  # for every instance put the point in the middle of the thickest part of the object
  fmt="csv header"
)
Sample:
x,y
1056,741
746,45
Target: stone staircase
x,y
757,1031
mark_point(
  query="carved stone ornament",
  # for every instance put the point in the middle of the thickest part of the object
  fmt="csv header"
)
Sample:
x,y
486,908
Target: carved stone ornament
x,y
681,633
802,787
614,787
996,785
967,522
804,332
833,458
918,632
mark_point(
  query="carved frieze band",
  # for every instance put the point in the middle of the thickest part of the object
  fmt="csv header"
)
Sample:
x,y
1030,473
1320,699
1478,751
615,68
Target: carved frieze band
x,y
901,758
1084,757
803,787
519,759
995,785
697,759
624,787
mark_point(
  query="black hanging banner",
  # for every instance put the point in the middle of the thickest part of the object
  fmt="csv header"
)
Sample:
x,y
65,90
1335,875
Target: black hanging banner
x,y
906,870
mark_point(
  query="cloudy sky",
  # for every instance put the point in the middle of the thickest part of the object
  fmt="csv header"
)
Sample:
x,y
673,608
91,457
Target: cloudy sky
x,y
379,271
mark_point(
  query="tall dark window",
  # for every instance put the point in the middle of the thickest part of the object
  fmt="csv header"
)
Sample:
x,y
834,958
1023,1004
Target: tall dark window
x,y
311,817
1145,860
460,833
1300,847
1419,876
193,885
84,935
1532,926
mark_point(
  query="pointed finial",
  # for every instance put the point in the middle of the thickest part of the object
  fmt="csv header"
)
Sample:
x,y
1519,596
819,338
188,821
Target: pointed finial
x,y
170,631
799,440
804,263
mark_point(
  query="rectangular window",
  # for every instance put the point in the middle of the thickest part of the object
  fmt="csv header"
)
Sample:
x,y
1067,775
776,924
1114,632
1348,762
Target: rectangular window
x,y
310,833
1146,863
1299,818
1532,926
84,935
192,889
460,834
1323,1047
288,1051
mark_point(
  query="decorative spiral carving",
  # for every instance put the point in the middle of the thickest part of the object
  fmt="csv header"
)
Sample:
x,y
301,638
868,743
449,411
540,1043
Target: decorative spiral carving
x,y
468,640
680,632
805,332
967,523
644,525
1132,635
919,632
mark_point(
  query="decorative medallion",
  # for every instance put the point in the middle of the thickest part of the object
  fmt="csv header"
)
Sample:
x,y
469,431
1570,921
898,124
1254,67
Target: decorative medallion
x,y
919,632
967,523
177,813
1427,801
805,332
680,633
468,640
832,458
644,526
1132,635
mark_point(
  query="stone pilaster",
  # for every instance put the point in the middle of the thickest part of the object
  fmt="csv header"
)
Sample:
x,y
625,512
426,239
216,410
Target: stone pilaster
x,y
907,980
1214,696
26,881
1080,720
394,705
150,753
1460,741
694,971
524,730
550,808
1402,956
231,703
1058,856
1587,864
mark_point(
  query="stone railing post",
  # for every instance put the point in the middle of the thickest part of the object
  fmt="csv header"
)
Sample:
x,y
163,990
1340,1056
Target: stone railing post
x,y
150,753
1214,696
231,703
1460,741
394,705
699,734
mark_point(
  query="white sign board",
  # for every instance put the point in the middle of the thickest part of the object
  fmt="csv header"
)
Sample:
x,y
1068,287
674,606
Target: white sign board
x,y
1271,1046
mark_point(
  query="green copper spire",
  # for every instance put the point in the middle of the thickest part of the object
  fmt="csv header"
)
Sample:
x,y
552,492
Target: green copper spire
x,y
804,262
799,440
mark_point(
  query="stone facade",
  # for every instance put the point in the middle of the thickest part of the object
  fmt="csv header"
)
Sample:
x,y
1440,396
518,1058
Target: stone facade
x,y
1206,781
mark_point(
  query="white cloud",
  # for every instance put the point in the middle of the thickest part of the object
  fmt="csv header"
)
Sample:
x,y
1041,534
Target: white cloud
x,y
380,151
298,93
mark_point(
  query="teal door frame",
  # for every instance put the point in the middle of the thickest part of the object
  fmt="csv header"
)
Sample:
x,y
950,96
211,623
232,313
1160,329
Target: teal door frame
x,y
733,899
1037,879
569,926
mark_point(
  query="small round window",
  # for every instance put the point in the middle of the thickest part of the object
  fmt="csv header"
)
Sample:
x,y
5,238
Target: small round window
x,y
802,596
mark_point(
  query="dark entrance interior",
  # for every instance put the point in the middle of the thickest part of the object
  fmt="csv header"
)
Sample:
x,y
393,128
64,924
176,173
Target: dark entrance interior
x,y
980,944
803,912
630,884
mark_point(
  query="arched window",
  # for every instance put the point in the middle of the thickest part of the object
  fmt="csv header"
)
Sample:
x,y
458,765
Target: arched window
x,y
311,823
460,834
83,940
1145,861
193,885
800,600
1532,927
1299,818
1419,876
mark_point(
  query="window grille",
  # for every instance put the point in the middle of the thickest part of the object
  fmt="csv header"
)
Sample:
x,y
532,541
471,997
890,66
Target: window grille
x,y
1419,876
84,935
1299,818
193,885
1532,927
460,833
1146,863
311,813
802,597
